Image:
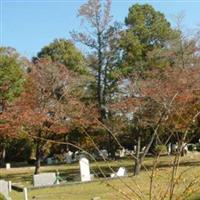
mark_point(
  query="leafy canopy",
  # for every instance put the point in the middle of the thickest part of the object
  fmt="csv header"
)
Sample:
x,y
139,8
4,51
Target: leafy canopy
x,y
11,76
147,30
64,52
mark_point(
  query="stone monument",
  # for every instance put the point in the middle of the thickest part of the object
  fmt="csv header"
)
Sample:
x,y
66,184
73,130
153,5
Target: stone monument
x,y
85,169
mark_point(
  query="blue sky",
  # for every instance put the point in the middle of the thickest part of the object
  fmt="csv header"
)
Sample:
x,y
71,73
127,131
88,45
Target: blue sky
x,y
28,25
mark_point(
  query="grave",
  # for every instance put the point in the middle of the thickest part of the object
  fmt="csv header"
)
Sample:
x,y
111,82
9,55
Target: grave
x,y
122,153
169,148
120,173
8,166
68,157
4,189
44,179
103,154
85,169
174,148
49,161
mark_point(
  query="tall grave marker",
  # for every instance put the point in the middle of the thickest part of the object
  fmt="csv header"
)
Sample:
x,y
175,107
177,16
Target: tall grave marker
x,y
85,169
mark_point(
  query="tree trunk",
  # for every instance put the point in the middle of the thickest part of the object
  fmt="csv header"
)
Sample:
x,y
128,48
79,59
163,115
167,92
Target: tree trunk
x,y
137,166
3,155
38,159
99,89
111,149
183,152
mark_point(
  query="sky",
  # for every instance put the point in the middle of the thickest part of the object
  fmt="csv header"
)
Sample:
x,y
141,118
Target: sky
x,y
29,25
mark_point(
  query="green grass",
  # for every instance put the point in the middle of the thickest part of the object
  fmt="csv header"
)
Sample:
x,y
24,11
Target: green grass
x,y
107,189
195,197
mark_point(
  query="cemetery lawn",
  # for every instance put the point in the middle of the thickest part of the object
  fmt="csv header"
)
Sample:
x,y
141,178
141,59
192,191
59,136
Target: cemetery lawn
x,y
106,189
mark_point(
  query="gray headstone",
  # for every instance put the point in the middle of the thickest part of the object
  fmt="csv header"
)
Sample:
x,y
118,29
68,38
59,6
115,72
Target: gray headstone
x,y
44,179
4,188
103,153
49,161
68,157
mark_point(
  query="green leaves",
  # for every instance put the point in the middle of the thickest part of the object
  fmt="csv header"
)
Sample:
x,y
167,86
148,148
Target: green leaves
x,y
11,78
64,52
147,30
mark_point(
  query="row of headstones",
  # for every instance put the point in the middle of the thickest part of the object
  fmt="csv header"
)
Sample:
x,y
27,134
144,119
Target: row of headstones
x,y
47,179
5,188
71,157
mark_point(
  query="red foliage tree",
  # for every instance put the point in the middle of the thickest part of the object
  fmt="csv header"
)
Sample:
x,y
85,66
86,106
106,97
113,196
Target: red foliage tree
x,y
48,106
162,100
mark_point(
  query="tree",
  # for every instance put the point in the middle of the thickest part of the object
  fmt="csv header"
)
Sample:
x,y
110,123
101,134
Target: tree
x,y
41,111
98,21
102,38
147,30
64,52
49,106
165,100
12,79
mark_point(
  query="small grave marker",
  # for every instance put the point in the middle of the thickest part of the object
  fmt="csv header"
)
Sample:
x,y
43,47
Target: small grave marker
x,y
49,161
7,165
120,173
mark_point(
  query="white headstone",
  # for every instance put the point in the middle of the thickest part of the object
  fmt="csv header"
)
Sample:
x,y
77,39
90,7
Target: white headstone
x,y
85,169
4,188
7,165
120,173
122,153
44,179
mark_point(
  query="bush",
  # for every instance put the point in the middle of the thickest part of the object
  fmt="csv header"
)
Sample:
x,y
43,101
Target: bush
x,y
191,147
159,149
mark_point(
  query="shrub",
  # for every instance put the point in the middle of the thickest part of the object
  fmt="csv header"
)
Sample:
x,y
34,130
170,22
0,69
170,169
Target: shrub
x,y
191,147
